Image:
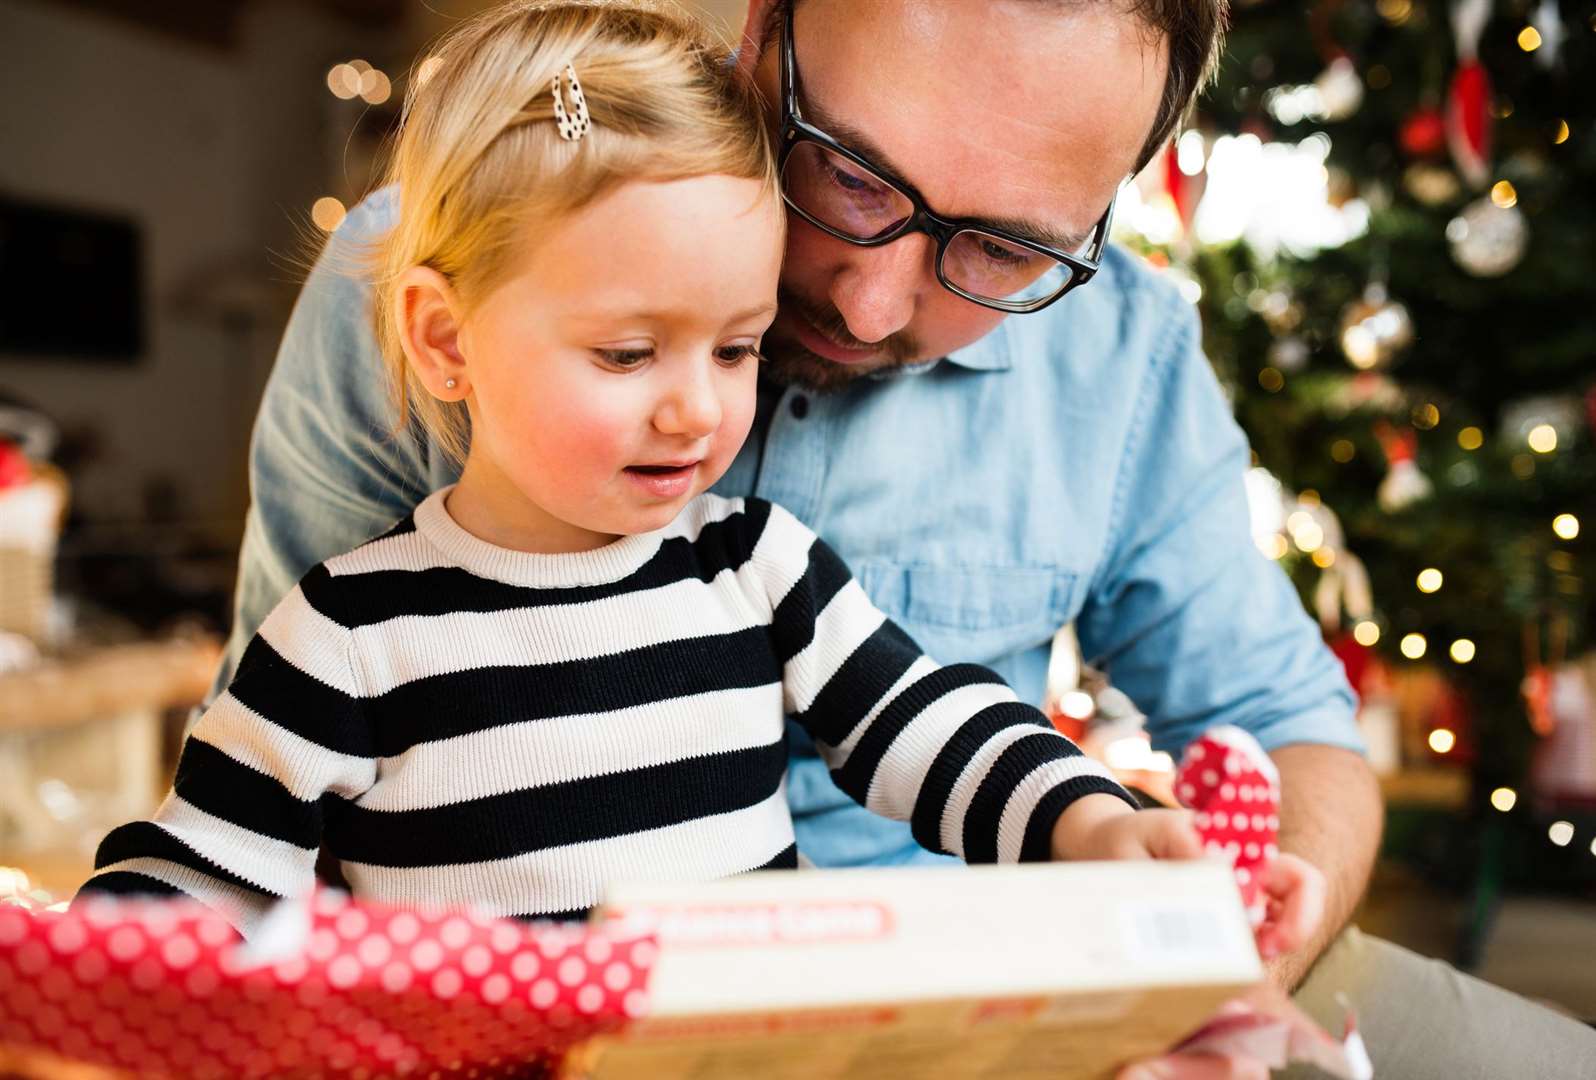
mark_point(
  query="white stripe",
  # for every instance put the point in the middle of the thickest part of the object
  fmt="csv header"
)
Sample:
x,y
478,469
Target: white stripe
x,y
845,624
306,769
836,757
578,875
410,551
311,642
514,757
706,509
782,553
969,781
901,771
1041,780
274,865
240,907
412,647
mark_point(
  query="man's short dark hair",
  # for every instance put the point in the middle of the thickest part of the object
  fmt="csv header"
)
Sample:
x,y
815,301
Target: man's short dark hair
x,y
1194,30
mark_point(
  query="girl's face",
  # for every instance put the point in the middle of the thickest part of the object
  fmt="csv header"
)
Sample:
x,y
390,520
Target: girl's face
x,y
611,377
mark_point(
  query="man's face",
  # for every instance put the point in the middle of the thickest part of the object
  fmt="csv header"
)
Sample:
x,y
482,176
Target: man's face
x,y
1012,111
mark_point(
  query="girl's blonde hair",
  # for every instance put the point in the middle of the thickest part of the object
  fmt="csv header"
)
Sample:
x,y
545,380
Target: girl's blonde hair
x,y
480,164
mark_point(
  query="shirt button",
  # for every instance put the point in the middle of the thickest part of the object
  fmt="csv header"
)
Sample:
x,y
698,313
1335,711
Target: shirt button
x,y
799,406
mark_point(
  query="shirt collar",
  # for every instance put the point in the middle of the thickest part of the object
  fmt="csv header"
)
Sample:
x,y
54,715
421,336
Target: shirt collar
x,y
990,353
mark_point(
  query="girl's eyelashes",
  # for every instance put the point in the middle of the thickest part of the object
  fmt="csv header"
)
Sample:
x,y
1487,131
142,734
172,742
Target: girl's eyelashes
x,y
629,359
732,355
624,358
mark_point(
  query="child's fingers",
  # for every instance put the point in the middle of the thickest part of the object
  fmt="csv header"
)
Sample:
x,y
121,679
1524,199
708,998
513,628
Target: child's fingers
x,y
1178,837
1296,890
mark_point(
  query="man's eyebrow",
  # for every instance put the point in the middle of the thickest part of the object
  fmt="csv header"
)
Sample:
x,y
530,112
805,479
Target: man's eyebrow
x,y
868,148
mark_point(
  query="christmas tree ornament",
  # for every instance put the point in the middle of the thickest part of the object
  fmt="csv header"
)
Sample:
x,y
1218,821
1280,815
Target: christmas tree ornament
x,y
1524,422
1423,133
1288,354
1340,89
1488,240
1468,98
1374,329
1432,185
1404,484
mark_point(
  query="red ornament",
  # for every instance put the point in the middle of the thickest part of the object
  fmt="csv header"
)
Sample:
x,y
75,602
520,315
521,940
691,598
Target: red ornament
x,y
1468,122
1423,133
14,468
1229,781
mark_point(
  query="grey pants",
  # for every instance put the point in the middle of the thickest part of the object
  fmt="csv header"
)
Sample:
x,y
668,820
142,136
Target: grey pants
x,y
1425,1020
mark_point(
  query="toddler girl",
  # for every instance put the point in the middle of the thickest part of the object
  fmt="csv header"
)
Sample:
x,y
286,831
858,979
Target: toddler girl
x,y
574,665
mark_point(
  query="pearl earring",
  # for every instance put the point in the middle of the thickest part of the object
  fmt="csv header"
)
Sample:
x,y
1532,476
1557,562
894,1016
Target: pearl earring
x,y
448,384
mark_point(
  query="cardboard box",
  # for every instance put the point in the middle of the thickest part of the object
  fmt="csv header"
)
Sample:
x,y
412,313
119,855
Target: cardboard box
x,y
1054,971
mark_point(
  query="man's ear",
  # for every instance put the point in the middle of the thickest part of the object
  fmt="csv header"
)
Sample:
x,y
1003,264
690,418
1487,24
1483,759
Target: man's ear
x,y
760,12
428,314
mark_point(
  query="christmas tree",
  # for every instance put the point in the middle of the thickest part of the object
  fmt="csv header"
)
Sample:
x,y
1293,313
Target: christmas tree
x,y
1420,373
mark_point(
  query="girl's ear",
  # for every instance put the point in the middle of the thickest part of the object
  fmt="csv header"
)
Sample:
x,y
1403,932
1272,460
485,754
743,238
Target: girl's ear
x,y
428,314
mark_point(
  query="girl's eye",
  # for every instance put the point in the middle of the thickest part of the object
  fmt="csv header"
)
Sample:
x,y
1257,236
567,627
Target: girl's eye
x,y
624,358
732,355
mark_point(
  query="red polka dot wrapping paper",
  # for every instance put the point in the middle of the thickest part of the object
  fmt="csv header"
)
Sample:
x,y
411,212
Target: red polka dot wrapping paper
x,y
1233,787
165,988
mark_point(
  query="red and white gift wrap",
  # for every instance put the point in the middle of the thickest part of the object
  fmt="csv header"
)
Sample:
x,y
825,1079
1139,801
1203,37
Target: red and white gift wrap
x,y
1229,781
165,988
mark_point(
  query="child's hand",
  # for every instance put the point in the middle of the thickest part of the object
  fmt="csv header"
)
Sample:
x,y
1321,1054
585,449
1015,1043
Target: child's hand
x,y
1103,827
1295,892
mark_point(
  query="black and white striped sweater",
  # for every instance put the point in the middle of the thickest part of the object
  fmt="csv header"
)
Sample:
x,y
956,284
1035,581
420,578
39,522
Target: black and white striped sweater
x,y
462,724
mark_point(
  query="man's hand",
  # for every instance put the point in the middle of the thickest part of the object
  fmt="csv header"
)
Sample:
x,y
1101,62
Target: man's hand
x,y
1295,889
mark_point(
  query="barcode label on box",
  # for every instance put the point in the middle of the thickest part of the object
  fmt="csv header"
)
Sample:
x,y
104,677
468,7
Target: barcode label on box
x,y
1180,932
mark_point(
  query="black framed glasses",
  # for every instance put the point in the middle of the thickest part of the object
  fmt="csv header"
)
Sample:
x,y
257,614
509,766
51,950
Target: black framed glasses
x,y
841,192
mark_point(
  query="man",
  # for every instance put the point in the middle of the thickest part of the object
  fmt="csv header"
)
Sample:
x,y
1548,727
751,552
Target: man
x,y
1001,424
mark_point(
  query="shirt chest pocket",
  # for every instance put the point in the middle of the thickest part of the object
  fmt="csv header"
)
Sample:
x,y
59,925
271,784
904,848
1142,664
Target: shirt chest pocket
x,y
972,613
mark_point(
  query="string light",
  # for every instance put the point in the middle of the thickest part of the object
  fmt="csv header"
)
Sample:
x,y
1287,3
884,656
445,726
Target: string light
x,y
1529,39
1276,547
1430,580
1271,380
1504,195
1561,833
1542,438
1442,740
344,81
1414,646
1324,558
1426,416
1366,633
1462,650
375,87
1566,526
1504,799
1561,135
1076,704
328,213
1471,438
1342,451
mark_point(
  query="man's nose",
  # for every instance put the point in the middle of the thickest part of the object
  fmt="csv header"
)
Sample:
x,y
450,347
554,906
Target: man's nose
x,y
878,289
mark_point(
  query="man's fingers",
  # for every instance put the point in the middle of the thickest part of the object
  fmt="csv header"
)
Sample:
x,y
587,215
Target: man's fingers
x,y
1196,1067
1297,890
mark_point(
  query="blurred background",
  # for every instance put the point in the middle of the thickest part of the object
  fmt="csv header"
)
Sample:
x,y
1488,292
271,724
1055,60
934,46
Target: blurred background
x,y
1385,212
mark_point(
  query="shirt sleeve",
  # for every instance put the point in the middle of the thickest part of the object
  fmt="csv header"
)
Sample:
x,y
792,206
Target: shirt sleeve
x,y
1185,614
242,824
951,750
327,472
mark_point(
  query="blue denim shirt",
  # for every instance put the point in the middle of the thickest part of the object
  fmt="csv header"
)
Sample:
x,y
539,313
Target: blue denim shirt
x,y
1079,464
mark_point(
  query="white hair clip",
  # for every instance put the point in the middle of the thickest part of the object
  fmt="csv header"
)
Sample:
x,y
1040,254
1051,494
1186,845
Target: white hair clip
x,y
574,123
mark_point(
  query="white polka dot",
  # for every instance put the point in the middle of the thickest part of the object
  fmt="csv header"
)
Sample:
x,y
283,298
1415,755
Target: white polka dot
x,y
344,972
572,970
1273,824
390,1046
495,988
1221,820
1245,793
90,967
1227,791
291,970
544,993
146,974
589,999
617,977
1196,752
1187,793
476,961
524,966
1252,850
1232,765
32,958
202,982
446,983
1232,848
13,927
455,933
396,978
599,950
1270,851
68,936
179,951
1214,847
331,901
635,1003
1210,778
351,923
214,933
1243,875
323,945
101,910
1201,819
644,954
403,928
426,955
506,938
374,951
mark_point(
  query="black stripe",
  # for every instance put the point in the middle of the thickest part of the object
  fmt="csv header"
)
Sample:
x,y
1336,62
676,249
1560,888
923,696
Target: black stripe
x,y
147,840
407,524
554,815
785,859
1017,761
931,804
125,883
273,687
575,915
444,706
1038,843
355,600
856,773
874,668
236,793
793,627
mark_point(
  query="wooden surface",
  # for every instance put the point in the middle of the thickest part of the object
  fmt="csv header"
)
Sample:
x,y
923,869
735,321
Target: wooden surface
x,y
1441,789
122,678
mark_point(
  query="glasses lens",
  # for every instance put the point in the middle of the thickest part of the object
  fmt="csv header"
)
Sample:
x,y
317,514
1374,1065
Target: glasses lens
x,y
841,195
996,269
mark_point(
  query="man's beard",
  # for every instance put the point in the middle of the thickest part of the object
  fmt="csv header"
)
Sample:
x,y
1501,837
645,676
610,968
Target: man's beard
x,y
789,363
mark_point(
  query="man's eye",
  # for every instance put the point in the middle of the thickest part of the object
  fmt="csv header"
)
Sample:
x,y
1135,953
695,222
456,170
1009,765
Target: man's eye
x,y
624,358
732,355
852,182
998,253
